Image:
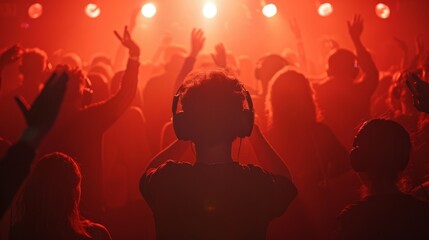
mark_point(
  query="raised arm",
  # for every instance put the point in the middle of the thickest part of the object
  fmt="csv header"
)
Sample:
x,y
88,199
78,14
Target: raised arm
x,y
109,111
173,151
294,27
40,118
267,157
369,69
197,43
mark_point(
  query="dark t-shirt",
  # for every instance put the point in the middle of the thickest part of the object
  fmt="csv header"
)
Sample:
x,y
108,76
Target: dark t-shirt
x,y
390,216
222,201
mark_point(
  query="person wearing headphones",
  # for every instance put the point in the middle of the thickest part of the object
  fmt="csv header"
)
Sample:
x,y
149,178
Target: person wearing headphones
x,y
381,151
345,96
217,197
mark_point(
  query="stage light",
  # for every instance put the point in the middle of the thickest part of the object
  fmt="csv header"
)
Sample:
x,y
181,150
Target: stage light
x,y
92,10
148,10
35,10
269,10
382,10
325,9
209,10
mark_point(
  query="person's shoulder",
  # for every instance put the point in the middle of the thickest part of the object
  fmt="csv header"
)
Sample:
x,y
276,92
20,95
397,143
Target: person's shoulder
x,y
96,230
169,168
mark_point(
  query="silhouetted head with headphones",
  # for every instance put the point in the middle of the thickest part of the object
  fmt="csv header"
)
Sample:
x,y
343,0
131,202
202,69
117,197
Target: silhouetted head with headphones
x,y
212,108
381,150
342,63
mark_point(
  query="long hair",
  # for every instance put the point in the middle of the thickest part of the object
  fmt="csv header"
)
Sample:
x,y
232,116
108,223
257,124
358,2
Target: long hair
x,y
290,100
50,199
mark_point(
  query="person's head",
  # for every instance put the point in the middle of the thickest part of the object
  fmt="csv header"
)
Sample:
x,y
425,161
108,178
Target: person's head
x,y
71,59
342,63
99,86
290,100
51,195
34,65
267,66
381,150
212,104
79,91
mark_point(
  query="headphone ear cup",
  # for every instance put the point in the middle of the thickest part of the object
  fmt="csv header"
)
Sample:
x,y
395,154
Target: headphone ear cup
x,y
358,160
182,127
245,124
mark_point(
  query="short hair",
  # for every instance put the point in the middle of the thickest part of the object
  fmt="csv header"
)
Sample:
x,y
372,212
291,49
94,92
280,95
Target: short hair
x,y
342,61
385,146
213,99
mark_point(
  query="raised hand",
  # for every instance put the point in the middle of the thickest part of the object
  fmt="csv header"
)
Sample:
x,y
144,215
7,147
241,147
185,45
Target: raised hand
x,y
128,42
197,41
355,27
41,116
219,57
401,44
10,55
420,45
294,27
420,91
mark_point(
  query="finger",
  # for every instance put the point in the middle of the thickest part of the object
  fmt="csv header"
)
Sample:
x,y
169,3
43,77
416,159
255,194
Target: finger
x,y
22,106
118,36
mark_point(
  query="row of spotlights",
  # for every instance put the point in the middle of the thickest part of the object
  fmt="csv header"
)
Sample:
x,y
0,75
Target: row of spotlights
x,y
209,10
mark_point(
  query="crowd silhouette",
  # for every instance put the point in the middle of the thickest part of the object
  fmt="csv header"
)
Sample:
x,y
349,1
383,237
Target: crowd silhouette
x,y
214,146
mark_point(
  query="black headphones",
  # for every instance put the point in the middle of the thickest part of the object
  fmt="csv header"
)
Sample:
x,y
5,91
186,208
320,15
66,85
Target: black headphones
x,y
184,127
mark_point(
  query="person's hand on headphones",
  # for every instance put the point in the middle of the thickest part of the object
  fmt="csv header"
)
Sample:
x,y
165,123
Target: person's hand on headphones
x,y
355,27
219,57
420,91
197,41
128,42
41,116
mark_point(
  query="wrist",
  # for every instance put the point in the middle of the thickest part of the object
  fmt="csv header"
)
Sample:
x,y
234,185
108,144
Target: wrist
x,y
32,137
134,58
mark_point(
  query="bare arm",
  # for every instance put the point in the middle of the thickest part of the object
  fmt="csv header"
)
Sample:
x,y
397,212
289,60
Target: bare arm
x,y
110,110
173,151
369,69
197,43
268,158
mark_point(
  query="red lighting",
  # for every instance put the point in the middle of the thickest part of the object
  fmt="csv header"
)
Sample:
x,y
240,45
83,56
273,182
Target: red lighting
x,y
269,10
92,10
382,11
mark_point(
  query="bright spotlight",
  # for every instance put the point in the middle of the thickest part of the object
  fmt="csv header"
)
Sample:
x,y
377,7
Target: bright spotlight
x,y
325,9
148,10
382,10
35,10
269,10
209,10
92,10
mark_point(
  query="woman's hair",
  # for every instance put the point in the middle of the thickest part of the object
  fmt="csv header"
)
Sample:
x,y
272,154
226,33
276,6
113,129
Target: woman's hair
x,y
290,100
49,203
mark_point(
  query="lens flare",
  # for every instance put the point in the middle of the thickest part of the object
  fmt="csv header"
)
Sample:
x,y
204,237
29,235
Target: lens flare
x,y
35,10
209,10
148,10
269,10
325,9
92,10
382,11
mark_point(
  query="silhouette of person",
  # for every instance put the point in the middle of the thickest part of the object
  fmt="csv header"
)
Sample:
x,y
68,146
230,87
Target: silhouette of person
x,y
40,117
344,98
381,150
80,127
314,155
50,203
215,198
